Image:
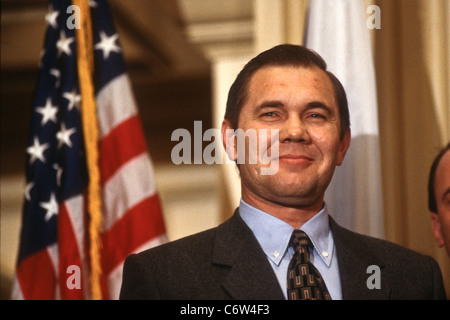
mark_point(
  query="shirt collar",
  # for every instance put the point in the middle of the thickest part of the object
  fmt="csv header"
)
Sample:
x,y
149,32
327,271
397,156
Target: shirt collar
x,y
318,230
274,234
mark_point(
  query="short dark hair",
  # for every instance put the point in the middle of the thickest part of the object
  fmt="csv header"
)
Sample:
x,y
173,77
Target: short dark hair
x,y
432,206
283,55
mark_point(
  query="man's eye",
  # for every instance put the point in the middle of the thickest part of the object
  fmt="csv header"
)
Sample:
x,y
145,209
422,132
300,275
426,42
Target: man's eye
x,y
269,114
317,116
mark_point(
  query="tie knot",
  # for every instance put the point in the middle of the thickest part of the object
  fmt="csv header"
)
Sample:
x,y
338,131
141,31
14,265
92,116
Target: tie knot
x,y
300,239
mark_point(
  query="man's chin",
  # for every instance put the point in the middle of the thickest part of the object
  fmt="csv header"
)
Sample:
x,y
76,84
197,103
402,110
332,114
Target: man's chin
x,y
294,196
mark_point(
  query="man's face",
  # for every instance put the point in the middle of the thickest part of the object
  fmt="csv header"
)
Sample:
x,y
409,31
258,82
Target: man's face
x,y
300,103
441,220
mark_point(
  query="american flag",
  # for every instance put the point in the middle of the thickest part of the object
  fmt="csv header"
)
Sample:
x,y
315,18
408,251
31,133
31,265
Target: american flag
x,y
54,241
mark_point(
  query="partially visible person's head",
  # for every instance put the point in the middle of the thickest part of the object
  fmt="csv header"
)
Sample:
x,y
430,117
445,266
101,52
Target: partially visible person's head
x,y
439,197
283,55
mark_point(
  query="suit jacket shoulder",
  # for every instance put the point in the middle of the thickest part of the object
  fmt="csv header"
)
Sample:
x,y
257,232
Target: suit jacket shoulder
x,y
221,263
403,273
145,273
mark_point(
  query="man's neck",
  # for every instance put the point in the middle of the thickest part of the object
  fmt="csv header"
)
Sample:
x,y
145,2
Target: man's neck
x,y
295,215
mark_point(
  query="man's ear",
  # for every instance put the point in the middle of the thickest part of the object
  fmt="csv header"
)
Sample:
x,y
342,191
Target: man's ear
x,y
344,144
437,231
229,140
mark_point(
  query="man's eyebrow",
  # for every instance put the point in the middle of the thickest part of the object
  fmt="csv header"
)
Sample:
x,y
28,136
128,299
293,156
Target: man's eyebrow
x,y
280,104
320,105
271,104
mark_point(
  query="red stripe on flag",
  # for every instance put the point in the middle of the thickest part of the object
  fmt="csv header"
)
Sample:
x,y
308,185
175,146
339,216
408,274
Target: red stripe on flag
x,y
123,143
140,224
36,277
69,256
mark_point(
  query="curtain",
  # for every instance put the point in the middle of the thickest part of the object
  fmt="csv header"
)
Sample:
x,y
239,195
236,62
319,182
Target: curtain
x,y
412,67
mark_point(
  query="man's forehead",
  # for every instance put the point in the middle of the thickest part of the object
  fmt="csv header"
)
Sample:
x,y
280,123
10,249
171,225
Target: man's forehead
x,y
295,74
277,79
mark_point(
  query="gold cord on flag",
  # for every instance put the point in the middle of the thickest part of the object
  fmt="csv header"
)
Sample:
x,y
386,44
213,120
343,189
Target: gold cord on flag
x,y
85,60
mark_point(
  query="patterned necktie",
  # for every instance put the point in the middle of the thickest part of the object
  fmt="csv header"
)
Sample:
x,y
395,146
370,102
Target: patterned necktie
x,y
304,281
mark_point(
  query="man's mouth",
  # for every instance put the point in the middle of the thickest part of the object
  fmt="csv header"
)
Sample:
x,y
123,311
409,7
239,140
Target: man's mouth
x,y
295,159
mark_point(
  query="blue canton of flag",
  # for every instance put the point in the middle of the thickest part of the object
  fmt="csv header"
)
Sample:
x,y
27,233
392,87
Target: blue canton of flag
x,y
56,167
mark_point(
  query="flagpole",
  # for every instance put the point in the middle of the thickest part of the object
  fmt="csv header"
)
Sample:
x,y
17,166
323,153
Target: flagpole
x,y
85,62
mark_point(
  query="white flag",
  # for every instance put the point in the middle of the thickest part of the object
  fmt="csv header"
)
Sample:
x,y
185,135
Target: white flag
x,y
337,30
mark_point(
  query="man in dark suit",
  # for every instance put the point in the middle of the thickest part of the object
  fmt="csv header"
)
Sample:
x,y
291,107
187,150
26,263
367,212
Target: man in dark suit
x,y
281,243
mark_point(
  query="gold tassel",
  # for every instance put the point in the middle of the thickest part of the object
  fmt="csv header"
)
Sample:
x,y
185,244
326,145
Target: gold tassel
x,y
85,60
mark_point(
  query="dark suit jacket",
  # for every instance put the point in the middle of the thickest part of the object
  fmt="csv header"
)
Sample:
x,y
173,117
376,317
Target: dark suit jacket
x,y
227,263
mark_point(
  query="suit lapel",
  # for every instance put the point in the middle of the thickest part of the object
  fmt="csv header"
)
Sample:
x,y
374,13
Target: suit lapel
x,y
250,275
354,260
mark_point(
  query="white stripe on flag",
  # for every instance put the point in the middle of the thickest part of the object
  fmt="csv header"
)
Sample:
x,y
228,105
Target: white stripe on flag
x,y
16,291
75,210
52,252
128,183
337,31
115,103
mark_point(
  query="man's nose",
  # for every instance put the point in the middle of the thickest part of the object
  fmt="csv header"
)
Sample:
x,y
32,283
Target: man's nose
x,y
294,130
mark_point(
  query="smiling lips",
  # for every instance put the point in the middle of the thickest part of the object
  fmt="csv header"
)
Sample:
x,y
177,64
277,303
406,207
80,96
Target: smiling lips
x,y
295,159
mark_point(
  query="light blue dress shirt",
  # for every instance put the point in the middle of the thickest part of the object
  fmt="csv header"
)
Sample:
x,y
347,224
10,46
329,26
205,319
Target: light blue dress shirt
x,y
274,234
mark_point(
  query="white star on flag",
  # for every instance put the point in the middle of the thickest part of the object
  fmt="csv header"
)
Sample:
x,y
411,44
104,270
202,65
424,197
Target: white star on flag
x,y
51,18
41,56
51,206
74,99
57,74
37,150
59,172
107,44
63,44
63,136
48,112
28,188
